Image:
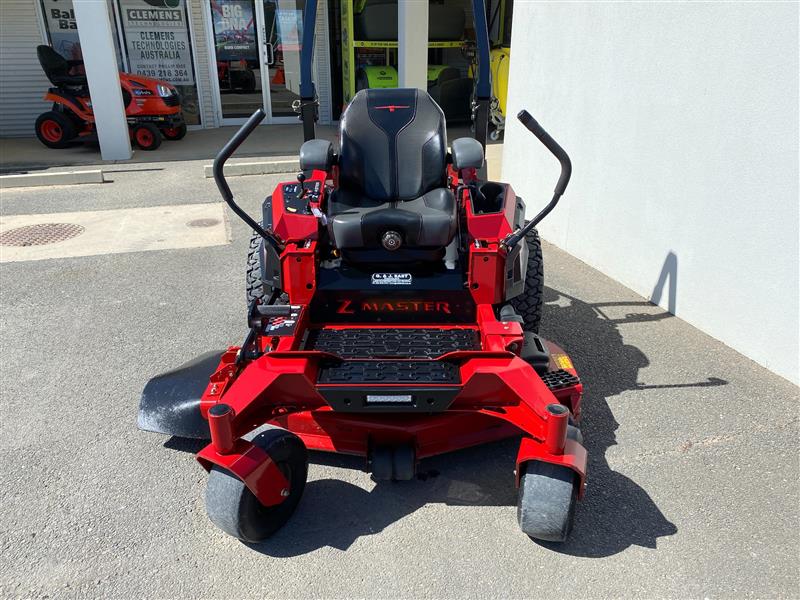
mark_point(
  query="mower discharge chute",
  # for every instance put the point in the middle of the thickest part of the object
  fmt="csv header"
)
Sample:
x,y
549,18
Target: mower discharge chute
x,y
394,305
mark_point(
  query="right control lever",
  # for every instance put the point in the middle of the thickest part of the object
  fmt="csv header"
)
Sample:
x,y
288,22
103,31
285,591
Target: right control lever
x,y
533,126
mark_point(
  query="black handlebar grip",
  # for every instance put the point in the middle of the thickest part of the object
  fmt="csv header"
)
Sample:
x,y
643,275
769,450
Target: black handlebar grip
x,y
224,189
231,147
274,310
533,126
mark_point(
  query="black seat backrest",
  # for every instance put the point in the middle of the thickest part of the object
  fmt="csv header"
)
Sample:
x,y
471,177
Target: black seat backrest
x,y
56,67
53,64
393,144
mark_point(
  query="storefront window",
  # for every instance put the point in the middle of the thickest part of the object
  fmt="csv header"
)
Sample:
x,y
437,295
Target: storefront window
x,y
239,68
62,29
257,46
157,43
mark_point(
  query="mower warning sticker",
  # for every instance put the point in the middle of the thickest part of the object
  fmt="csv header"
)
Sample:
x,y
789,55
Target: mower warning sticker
x,y
283,326
563,361
391,279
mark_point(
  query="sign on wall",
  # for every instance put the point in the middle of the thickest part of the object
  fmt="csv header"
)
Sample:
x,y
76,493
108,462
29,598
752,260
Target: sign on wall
x,y
62,27
157,39
234,29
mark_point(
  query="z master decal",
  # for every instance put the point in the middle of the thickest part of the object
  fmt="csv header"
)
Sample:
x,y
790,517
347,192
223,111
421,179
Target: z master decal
x,y
348,307
391,279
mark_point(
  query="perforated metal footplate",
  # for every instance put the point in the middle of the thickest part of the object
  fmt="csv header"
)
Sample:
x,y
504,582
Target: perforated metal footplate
x,y
391,343
557,380
371,371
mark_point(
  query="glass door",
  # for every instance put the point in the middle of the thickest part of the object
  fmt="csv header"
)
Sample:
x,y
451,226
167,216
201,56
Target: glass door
x,y
257,53
283,35
239,63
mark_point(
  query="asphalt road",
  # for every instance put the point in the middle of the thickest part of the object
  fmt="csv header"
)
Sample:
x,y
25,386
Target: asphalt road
x,y
693,475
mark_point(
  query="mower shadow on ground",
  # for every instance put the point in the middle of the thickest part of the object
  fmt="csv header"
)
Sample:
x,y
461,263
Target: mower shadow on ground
x,y
616,512
479,476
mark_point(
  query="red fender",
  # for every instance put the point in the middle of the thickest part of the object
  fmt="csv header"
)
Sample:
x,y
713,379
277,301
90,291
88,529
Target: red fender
x,y
253,466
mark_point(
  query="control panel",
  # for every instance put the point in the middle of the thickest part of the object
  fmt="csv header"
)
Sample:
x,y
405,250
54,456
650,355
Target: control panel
x,y
295,209
294,202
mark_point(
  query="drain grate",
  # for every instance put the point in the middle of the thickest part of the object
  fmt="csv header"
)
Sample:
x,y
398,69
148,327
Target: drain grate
x,y
40,234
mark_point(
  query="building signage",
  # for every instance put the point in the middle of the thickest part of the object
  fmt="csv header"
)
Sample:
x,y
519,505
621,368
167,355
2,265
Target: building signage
x,y
157,39
63,28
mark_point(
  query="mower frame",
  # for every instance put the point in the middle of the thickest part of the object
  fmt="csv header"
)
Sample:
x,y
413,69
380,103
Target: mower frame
x,y
467,377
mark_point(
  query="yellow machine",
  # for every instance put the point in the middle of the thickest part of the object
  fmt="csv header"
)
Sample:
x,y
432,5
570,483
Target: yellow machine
x,y
499,65
500,58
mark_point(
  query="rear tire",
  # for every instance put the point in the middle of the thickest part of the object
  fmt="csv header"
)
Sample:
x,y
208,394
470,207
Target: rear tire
x,y
231,505
546,504
528,304
255,287
55,129
147,136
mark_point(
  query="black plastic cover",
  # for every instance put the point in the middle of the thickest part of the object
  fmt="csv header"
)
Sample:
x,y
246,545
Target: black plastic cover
x,y
170,402
534,351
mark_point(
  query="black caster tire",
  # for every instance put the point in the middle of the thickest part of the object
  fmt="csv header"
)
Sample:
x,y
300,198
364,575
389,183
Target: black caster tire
x,y
573,433
55,129
232,507
147,136
403,463
174,134
381,463
546,504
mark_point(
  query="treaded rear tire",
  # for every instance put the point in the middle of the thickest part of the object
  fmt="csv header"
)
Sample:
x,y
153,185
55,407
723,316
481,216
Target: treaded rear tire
x,y
66,127
529,303
255,287
231,505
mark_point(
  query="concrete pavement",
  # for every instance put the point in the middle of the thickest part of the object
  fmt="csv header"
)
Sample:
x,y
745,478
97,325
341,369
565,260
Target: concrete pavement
x,y
693,477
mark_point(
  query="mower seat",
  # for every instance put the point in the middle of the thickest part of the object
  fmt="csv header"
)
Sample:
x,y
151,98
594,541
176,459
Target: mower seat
x,y
57,68
393,203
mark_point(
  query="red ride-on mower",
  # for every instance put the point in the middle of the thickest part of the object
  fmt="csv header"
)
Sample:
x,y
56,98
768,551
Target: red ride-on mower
x,y
394,301
152,107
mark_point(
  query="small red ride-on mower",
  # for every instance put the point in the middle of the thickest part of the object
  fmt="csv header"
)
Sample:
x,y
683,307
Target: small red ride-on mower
x,y
152,107
394,299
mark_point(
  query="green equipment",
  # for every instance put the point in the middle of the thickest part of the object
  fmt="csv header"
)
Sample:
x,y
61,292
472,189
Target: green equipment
x,y
370,76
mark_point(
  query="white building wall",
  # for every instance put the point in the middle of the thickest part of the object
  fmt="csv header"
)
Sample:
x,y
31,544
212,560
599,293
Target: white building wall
x,y
204,67
22,81
682,123
322,64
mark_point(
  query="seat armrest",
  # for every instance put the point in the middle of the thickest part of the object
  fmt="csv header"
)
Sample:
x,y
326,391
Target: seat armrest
x,y
467,153
316,155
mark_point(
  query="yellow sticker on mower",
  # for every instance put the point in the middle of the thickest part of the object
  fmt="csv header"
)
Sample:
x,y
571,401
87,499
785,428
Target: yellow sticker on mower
x,y
563,361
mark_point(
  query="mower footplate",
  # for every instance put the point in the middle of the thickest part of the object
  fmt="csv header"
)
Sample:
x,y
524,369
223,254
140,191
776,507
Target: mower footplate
x,y
388,372
363,342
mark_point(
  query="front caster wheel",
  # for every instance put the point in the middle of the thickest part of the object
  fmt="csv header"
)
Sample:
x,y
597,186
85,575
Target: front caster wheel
x,y
546,505
232,507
